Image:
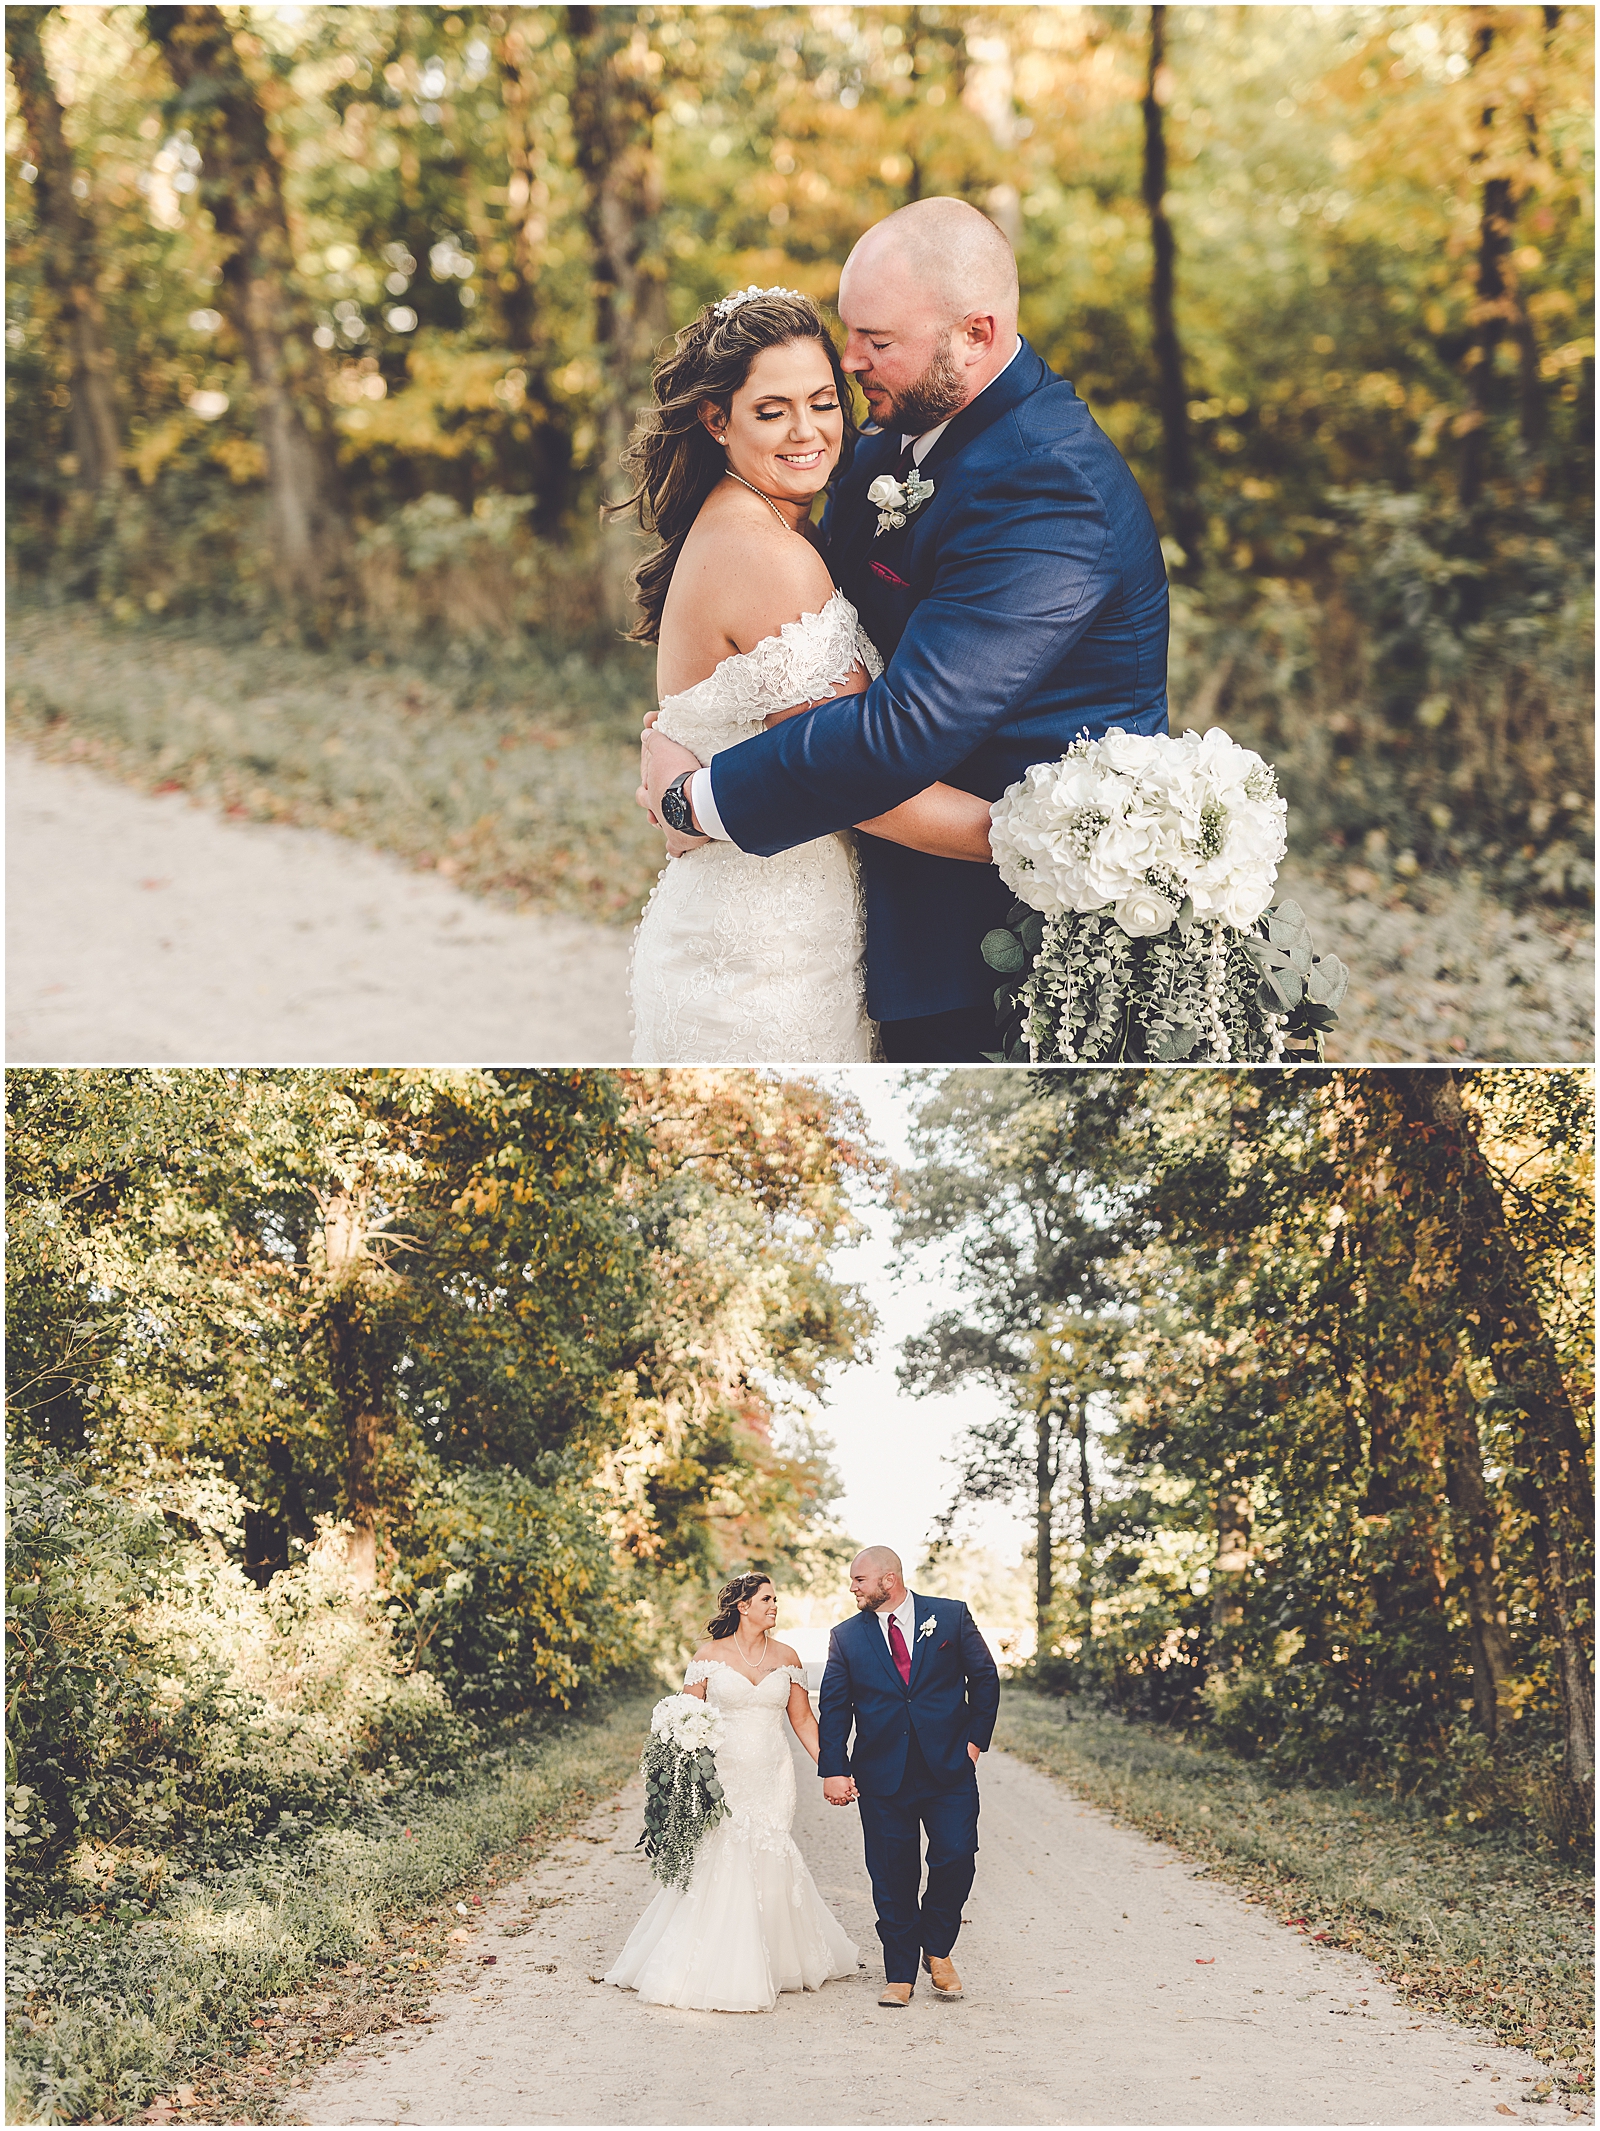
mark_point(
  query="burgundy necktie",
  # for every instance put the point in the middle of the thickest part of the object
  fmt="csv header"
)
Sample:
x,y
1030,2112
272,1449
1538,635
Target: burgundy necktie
x,y
899,1652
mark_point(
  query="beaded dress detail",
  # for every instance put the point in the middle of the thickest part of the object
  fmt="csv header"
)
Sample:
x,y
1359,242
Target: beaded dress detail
x,y
745,960
751,1922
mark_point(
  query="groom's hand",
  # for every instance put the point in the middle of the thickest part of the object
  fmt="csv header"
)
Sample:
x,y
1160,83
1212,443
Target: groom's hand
x,y
660,760
839,1790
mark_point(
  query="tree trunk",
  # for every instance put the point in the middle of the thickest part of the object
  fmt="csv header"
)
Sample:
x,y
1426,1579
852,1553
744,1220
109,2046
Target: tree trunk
x,y
1086,1512
1491,311
1183,506
242,187
613,109
1473,1528
1555,1480
1232,1557
359,1374
1044,1525
69,257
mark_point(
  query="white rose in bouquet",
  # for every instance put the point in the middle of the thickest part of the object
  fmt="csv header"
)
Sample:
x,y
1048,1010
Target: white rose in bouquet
x,y
1142,913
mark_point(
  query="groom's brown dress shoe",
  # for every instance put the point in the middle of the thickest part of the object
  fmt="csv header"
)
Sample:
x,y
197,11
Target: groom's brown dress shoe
x,y
897,1994
946,1983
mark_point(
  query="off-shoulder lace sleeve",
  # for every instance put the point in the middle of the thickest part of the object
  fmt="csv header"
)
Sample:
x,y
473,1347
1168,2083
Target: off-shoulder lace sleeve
x,y
805,659
797,1673
701,1669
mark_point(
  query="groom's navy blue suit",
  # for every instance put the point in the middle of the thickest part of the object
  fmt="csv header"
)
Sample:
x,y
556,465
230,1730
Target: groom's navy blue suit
x,y
911,1766
1023,604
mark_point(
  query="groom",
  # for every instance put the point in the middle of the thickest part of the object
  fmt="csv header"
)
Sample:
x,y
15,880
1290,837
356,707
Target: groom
x,y
1016,591
917,1680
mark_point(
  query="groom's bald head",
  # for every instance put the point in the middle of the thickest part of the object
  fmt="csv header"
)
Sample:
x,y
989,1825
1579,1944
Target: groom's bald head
x,y
876,1578
929,301
946,250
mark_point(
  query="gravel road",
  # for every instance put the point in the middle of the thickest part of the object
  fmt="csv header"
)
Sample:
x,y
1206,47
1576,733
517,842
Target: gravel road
x,y
144,928
1107,1983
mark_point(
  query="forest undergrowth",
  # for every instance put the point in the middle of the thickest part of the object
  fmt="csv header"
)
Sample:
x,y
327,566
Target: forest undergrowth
x,y
202,2003
1477,1926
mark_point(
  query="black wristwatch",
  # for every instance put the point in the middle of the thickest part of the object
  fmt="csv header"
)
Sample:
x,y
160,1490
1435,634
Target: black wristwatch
x,y
676,811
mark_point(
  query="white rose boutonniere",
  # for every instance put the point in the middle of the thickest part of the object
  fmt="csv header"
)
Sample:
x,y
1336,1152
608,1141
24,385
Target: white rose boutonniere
x,y
928,1626
898,500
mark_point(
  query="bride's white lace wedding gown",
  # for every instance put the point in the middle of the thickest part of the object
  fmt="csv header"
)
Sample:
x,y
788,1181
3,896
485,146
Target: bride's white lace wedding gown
x,y
751,1922
744,960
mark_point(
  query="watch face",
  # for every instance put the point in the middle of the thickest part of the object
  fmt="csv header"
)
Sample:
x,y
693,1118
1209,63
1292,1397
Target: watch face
x,y
675,808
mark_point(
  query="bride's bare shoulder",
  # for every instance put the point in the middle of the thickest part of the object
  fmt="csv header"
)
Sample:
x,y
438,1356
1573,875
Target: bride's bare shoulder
x,y
706,1653
783,1655
747,578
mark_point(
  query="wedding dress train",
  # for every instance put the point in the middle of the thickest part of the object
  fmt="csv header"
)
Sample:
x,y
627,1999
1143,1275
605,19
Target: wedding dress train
x,y
751,1922
746,960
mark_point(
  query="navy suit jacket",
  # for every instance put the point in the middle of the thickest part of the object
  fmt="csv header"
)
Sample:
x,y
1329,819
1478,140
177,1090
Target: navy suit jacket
x,y
1023,604
953,1697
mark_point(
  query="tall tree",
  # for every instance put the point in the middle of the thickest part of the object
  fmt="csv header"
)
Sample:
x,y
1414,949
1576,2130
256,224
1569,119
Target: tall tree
x,y
1500,1305
70,257
241,184
1184,512
614,104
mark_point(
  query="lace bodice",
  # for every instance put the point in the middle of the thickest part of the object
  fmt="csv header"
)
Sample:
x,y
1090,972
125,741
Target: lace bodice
x,y
741,960
806,659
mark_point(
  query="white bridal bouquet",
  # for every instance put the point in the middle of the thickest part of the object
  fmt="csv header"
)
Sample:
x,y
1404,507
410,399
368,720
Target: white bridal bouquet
x,y
1145,927
683,1800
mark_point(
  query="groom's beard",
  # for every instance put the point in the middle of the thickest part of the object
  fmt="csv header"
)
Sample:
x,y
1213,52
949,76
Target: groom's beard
x,y
938,393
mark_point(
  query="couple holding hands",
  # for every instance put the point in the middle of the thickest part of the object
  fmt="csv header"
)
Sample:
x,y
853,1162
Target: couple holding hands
x,y
912,1679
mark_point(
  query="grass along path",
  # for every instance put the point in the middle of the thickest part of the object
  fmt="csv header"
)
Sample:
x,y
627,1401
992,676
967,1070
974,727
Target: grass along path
x,y
238,1983
1461,1924
512,774
512,771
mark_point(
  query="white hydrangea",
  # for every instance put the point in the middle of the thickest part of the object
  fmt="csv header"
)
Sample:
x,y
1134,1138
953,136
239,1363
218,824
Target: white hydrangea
x,y
1137,821
687,1721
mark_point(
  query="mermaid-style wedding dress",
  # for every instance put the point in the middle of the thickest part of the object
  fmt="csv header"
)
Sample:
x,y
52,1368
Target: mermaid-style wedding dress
x,y
751,1922
745,960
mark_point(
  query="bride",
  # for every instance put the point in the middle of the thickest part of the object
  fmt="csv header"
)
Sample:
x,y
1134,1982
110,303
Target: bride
x,y
751,1922
740,959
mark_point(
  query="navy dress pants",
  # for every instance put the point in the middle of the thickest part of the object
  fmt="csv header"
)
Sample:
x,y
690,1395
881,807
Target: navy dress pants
x,y
892,1828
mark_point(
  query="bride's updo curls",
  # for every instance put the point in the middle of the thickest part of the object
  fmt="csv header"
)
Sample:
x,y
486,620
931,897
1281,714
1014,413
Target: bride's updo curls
x,y
673,458
729,1599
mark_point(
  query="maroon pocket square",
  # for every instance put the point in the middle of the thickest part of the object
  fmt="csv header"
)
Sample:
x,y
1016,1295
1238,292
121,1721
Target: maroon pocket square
x,y
882,570
945,1644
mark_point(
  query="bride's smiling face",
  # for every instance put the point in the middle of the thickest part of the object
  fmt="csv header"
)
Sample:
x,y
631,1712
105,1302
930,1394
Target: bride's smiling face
x,y
785,428
761,1612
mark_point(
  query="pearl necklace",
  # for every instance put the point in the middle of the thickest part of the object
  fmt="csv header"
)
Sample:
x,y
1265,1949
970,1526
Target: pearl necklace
x,y
767,500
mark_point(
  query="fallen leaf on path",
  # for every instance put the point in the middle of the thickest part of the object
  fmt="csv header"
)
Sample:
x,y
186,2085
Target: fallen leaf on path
x,y
1205,1960
488,1959
459,1937
1501,2109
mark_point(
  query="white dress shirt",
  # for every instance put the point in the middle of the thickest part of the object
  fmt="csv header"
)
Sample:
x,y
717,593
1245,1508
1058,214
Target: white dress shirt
x,y
699,785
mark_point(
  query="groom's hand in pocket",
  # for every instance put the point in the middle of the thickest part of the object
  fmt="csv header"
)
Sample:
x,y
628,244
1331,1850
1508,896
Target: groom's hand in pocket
x,y
974,1751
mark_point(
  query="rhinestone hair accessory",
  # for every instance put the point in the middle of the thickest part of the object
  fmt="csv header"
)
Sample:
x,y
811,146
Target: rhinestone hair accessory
x,y
730,304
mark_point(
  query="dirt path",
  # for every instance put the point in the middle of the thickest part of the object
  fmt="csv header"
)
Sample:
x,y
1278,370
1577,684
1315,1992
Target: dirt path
x,y
142,928
1106,1984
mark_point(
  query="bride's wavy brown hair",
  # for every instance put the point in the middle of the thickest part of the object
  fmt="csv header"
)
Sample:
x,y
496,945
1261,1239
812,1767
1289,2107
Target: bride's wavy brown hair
x,y
673,457
730,1598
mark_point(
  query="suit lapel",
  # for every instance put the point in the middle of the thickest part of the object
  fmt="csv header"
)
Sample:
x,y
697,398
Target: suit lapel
x,y
874,455
873,1627
919,1642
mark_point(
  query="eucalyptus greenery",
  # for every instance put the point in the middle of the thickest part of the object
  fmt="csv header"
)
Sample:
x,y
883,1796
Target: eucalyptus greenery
x,y
683,1801
1078,989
